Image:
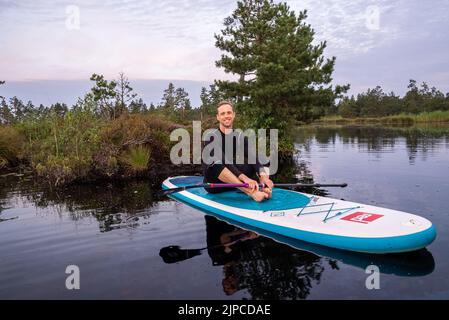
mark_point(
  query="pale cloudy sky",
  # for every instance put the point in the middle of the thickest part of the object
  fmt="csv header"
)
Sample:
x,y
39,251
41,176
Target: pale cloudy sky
x,y
376,42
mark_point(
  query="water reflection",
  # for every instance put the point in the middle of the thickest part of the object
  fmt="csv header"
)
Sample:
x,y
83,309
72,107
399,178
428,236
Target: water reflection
x,y
117,205
266,266
266,269
377,139
270,266
1,219
298,172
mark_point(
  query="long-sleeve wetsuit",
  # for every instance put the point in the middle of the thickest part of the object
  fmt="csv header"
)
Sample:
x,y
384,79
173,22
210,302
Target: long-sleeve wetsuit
x,y
212,171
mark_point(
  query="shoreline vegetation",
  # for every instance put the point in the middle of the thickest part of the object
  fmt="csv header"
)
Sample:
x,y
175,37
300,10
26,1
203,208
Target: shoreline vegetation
x,y
405,119
108,134
420,104
282,80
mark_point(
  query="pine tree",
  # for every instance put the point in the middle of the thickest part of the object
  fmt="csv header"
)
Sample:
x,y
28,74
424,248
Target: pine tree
x,y
281,74
169,100
137,106
124,94
210,99
6,116
175,100
182,102
59,109
2,82
104,95
412,100
29,112
17,108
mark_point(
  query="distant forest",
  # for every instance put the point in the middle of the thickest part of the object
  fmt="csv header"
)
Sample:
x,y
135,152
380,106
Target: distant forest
x,y
110,99
376,103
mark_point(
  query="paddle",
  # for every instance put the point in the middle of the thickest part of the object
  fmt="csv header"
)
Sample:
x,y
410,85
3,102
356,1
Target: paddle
x,y
245,185
172,254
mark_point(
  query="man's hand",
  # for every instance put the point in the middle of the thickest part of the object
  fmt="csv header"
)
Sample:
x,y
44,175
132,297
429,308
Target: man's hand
x,y
265,179
253,185
268,184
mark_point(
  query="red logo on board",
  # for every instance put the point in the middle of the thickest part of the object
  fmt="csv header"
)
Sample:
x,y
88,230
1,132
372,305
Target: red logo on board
x,y
362,217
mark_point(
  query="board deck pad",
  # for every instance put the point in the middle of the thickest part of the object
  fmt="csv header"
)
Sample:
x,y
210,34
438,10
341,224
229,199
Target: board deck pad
x,y
281,199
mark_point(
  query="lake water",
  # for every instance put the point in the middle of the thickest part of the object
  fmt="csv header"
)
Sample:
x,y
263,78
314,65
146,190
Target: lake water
x,y
128,245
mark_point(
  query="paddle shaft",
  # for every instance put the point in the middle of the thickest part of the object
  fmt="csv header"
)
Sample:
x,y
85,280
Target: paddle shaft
x,y
262,185
315,185
245,185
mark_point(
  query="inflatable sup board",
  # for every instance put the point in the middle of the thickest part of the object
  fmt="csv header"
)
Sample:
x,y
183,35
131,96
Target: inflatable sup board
x,y
320,220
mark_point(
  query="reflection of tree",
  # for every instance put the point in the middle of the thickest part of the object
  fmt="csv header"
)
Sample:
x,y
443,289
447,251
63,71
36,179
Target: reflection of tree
x,y
8,187
2,199
112,204
377,138
287,173
297,172
265,268
412,147
422,141
325,136
372,139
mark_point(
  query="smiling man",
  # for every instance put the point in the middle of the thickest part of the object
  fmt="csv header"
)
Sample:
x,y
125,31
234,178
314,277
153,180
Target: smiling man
x,y
227,169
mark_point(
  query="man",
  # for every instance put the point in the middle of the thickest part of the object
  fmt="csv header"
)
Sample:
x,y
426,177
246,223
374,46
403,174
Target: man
x,y
222,172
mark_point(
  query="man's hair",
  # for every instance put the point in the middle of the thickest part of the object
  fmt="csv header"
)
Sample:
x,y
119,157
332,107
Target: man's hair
x,y
222,103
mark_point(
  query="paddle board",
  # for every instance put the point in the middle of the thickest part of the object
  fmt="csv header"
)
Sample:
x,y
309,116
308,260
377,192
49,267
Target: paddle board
x,y
320,220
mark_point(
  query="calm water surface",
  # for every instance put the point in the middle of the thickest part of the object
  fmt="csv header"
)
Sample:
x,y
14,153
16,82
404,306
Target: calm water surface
x,y
128,245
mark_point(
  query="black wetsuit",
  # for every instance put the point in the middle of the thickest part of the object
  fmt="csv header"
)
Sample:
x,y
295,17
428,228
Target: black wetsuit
x,y
212,171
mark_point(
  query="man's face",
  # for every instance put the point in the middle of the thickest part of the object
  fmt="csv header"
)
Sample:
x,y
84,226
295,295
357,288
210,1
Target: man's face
x,y
225,115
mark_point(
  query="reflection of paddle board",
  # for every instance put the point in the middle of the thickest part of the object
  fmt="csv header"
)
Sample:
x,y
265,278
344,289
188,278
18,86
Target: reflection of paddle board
x,y
406,264
320,220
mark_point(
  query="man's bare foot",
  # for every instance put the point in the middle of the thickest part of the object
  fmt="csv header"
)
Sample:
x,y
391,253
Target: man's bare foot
x,y
258,196
268,192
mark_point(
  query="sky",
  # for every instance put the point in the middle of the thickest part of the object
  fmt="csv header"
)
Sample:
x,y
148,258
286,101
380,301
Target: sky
x,y
382,42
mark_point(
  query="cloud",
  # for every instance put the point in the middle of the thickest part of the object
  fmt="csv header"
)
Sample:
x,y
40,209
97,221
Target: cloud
x,y
173,39
352,27
410,42
151,39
